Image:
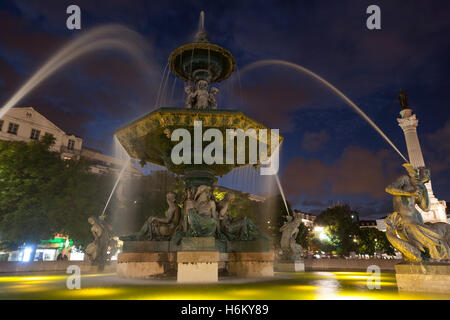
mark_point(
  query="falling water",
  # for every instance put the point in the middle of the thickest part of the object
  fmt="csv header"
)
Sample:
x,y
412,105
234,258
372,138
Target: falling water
x,y
282,192
100,38
262,63
157,101
123,155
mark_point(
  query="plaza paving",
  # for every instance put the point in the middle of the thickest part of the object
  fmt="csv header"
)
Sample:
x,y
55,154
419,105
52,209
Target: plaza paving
x,y
283,286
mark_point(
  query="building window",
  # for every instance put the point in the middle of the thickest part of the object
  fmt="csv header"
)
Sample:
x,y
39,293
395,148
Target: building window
x,y
1,125
71,144
13,128
35,134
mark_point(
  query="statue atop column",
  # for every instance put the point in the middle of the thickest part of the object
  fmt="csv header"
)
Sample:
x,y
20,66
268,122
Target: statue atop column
x,y
403,99
405,228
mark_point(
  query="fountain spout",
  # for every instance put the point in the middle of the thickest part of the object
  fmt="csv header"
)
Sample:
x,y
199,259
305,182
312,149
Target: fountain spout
x,y
201,35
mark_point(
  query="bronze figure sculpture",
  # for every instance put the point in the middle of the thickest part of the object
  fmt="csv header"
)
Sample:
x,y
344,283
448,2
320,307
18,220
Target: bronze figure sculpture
x,y
405,227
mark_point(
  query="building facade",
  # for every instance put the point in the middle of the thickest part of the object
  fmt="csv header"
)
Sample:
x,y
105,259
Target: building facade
x,y
307,218
27,124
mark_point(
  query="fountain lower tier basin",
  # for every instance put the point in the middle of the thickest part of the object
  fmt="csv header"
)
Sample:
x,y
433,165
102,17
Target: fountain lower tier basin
x,y
195,260
424,277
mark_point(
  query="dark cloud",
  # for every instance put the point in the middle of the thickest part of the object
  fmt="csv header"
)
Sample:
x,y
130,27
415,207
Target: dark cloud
x,y
314,141
358,172
330,154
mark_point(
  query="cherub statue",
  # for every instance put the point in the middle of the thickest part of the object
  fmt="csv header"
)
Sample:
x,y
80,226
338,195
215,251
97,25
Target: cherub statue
x,y
405,228
202,95
190,100
212,97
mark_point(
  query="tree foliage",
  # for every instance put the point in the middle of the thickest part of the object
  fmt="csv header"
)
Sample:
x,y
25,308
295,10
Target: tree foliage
x,y
341,230
370,240
42,194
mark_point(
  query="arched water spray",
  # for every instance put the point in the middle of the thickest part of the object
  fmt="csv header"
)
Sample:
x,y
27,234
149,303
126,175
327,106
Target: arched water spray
x,y
123,155
105,37
297,67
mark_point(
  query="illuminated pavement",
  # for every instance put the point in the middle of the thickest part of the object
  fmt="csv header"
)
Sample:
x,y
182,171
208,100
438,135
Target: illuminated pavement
x,y
284,286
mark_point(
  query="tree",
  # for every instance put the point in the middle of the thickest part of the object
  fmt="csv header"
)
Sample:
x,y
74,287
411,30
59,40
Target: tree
x,y
304,236
370,240
340,229
42,194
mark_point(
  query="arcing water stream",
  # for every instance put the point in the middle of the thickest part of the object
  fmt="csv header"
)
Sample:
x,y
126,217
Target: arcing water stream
x,y
100,38
125,40
262,63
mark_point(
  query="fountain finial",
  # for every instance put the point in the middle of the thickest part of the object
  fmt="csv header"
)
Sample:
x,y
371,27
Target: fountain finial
x,y
201,59
201,34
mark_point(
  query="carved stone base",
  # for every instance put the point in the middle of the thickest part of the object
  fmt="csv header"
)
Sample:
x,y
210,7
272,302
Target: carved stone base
x,y
197,266
251,264
144,265
146,246
289,266
426,277
261,245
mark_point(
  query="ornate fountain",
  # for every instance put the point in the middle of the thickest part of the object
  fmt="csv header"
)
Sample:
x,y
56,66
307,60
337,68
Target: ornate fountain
x,y
197,236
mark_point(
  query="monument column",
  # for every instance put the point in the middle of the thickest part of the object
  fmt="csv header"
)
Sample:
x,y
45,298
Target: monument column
x,y
408,122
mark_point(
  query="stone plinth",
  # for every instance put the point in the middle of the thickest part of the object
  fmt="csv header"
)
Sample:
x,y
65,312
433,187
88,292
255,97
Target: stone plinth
x,y
290,266
144,264
146,246
202,244
423,277
198,244
261,245
197,266
251,264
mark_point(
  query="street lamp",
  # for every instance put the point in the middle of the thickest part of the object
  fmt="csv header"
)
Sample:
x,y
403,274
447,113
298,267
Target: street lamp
x,y
321,233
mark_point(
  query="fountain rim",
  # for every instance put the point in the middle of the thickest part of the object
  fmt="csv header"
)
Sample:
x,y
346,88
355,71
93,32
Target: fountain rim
x,y
203,46
191,112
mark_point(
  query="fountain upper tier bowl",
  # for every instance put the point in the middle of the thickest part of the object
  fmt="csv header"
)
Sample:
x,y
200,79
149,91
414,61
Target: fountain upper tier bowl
x,y
149,137
202,61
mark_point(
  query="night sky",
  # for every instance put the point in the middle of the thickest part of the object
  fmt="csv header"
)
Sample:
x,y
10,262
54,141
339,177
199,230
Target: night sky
x,y
330,155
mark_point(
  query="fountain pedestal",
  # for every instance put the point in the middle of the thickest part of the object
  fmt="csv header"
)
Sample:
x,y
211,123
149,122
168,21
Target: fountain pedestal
x,y
290,265
197,266
142,265
425,277
195,259
251,264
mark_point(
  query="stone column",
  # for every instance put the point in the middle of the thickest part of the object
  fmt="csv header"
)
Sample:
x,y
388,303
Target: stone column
x,y
408,122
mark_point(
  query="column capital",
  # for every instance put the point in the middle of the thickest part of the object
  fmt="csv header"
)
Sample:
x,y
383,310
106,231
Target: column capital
x,y
408,123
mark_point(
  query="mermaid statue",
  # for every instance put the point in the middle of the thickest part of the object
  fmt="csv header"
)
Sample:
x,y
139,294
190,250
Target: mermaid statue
x,y
405,228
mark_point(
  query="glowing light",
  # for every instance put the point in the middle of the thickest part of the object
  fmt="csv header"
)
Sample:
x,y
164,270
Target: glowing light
x,y
321,233
27,254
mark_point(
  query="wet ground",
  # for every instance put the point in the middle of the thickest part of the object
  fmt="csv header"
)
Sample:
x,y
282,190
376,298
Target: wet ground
x,y
283,286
